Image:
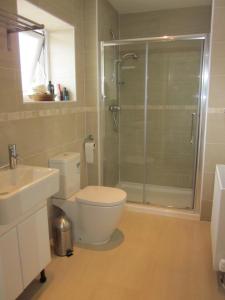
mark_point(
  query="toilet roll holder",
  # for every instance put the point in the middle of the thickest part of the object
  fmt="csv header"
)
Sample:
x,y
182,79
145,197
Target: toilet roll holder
x,y
89,147
89,138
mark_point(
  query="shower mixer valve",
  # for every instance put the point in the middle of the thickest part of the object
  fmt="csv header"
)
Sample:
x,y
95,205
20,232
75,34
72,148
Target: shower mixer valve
x,y
114,108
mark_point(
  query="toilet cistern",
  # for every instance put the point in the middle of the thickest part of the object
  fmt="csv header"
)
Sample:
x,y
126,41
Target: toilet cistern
x,y
94,211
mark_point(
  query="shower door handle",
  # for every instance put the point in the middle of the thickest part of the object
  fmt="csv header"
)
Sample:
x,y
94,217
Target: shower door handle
x,y
193,115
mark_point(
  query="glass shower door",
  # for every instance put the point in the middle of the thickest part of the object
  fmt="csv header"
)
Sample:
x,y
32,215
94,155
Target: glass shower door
x,y
110,130
174,84
150,119
131,87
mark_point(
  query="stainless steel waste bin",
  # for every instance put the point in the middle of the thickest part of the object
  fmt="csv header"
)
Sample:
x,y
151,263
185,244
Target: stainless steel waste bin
x,y
62,235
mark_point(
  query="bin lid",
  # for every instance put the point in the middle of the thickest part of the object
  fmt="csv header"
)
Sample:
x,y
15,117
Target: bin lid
x,y
62,223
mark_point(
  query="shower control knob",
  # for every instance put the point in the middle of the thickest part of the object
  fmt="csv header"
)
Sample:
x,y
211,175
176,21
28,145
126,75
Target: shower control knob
x,y
114,108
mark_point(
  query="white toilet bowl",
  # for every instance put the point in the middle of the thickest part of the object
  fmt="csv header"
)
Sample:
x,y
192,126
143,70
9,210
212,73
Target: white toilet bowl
x,y
94,212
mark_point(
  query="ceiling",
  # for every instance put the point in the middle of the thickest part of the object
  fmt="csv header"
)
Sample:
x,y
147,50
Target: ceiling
x,y
133,6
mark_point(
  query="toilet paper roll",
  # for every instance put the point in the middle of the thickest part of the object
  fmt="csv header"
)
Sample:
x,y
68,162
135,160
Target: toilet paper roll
x,y
222,265
89,152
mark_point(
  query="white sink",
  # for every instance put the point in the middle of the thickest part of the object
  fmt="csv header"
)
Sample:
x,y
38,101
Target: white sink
x,y
23,188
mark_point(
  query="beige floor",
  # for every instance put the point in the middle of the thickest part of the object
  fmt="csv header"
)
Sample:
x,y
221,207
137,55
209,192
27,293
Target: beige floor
x,y
160,258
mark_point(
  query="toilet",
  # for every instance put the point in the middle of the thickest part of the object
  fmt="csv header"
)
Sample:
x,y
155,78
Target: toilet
x,y
95,210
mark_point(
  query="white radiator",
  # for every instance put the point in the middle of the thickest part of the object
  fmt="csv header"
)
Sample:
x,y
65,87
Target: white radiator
x,y
218,220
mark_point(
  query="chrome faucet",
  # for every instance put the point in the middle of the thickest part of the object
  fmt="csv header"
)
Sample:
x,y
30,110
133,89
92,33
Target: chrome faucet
x,y
12,156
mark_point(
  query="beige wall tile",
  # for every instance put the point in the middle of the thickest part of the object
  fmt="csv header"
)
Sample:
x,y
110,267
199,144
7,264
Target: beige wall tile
x,y
215,129
219,3
165,22
208,182
215,146
218,24
218,60
109,21
206,210
216,91
38,137
91,81
214,155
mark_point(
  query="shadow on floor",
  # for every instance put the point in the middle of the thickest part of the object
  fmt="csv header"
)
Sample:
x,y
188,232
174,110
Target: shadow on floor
x,y
34,289
116,240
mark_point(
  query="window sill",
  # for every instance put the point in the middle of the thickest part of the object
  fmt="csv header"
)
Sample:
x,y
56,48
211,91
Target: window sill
x,y
48,102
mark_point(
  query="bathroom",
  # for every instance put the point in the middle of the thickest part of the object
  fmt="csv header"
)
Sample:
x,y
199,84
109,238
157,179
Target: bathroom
x,y
146,87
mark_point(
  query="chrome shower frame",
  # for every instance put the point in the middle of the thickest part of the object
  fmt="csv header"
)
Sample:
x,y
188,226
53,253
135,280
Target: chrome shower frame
x,y
202,109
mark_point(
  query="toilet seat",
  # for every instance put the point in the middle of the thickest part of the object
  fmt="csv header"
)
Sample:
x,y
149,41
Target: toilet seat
x,y
101,196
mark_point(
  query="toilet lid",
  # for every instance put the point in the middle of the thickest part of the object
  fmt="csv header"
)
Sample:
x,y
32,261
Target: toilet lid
x,y
102,196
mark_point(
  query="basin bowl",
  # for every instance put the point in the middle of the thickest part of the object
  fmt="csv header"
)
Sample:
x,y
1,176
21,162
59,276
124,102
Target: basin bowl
x,y
23,188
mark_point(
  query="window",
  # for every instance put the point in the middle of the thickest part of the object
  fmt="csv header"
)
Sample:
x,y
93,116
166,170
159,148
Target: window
x,y
33,60
47,57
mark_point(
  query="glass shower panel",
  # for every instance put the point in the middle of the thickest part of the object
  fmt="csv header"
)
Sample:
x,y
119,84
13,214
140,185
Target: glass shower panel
x,y
110,131
172,122
131,82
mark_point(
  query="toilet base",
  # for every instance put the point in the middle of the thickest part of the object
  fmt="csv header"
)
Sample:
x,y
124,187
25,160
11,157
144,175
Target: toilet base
x,y
91,224
95,244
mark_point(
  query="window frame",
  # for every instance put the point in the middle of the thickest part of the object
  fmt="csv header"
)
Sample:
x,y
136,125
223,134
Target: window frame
x,y
42,37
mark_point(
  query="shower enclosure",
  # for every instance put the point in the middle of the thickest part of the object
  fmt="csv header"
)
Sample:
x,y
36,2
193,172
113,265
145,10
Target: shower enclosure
x,y
150,116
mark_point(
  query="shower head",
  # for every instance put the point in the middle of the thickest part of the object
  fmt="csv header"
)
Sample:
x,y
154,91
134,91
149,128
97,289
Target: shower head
x,y
129,55
112,34
125,56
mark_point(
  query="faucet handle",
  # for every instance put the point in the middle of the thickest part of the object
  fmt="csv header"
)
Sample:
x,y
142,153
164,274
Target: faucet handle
x,y
12,156
12,149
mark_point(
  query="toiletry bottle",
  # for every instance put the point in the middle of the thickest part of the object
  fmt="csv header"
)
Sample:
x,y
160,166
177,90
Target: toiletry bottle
x,y
60,93
51,88
65,94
